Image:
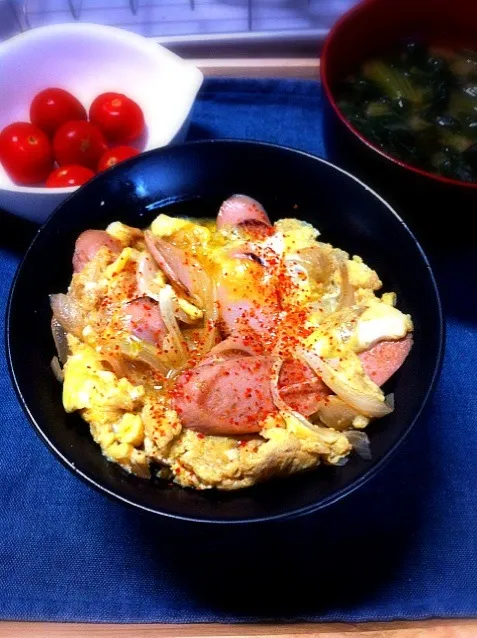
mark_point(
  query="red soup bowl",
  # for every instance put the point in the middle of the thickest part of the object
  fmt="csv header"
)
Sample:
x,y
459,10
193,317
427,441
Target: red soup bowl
x,y
438,208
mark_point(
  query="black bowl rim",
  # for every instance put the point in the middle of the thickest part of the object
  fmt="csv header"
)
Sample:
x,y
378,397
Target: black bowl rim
x,y
339,494
362,7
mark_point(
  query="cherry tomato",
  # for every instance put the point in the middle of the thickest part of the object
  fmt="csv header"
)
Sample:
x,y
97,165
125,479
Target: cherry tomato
x,y
116,155
26,153
69,175
78,142
53,107
119,117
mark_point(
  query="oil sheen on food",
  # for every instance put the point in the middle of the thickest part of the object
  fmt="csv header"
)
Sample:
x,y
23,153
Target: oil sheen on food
x,y
221,353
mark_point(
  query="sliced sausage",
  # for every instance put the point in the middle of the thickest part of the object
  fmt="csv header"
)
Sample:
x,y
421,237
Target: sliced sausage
x,y
300,388
385,358
228,398
244,314
143,319
182,270
232,396
241,209
88,244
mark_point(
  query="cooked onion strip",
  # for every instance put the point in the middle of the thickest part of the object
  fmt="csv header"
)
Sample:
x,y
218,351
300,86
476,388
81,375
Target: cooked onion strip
x,y
187,275
166,306
117,364
360,443
346,296
370,404
280,403
335,413
316,261
326,436
232,345
141,351
57,371
211,317
59,337
145,274
68,313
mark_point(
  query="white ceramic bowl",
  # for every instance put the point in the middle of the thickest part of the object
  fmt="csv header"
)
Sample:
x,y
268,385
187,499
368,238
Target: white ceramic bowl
x,y
88,59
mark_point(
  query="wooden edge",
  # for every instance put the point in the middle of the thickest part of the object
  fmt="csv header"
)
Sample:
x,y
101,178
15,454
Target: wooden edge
x,y
424,629
298,68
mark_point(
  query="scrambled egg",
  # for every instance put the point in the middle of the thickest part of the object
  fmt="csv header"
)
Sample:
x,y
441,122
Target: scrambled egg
x,y
110,405
127,409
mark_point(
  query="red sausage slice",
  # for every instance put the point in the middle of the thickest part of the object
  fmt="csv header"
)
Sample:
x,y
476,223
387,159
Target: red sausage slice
x,y
232,397
300,388
385,358
244,314
241,209
181,269
143,319
88,244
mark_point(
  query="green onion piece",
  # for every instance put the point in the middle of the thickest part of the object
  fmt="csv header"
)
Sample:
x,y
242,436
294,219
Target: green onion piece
x,y
457,142
418,124
462,104
377,109
392,81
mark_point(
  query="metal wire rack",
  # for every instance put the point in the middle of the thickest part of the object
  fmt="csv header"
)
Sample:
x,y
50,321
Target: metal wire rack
x,y
187,23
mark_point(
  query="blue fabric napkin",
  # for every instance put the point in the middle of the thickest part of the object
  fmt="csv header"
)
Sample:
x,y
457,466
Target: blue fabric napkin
x,y
402,547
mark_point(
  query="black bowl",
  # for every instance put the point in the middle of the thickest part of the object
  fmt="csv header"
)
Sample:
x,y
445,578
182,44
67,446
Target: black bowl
x,y
370,29
193,180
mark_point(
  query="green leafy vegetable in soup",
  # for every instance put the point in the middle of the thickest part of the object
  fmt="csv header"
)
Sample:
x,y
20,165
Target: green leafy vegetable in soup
x,y
420,105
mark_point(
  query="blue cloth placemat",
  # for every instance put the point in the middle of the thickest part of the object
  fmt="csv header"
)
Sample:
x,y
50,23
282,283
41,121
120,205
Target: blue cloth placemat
x,y
402,547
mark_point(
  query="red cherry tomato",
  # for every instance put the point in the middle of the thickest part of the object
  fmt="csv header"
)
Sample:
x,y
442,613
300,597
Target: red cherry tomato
x,y
70,175
116,155
26,153
119,117
78,142
53,107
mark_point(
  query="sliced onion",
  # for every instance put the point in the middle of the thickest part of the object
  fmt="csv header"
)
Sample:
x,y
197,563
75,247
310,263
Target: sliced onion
x,y
280,403
59,337
145,274
346,297
57,371
166,306
234,346
390,401
187,275
316,261
68,313
335,413
142,352
190,278
146,271
370,404
211,318
360,443
202,288
341,462
116,363
321,432
182,315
